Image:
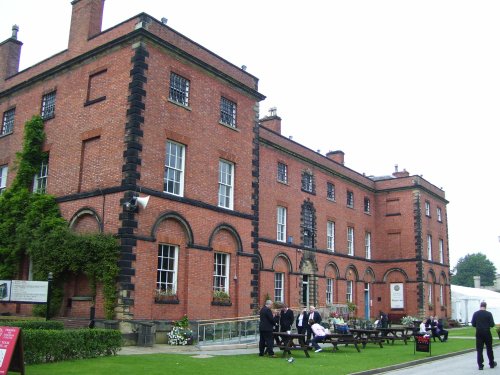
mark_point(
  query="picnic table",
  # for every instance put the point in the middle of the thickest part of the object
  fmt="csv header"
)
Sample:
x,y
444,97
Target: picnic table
x,y
396,333
341,338
291,341
365,336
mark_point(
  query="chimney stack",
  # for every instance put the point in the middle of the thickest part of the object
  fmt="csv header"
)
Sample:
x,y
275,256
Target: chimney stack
x,y
337,156
86,22
272,121
477,281
10,55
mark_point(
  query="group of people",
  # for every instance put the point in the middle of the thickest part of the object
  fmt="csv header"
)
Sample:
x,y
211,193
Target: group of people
x,y
308,323
434,326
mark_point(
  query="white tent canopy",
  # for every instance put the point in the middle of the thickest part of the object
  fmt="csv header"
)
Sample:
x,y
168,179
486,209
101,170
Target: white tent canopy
x,y
464,301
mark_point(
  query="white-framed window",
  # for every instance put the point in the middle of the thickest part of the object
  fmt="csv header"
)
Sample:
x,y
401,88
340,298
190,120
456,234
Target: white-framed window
x,y
441,250
281,224
279,287
367,205
221,272
349,292
40,180
439,214
350,199
428,208
227,112
8,121
226,183
48,105
282,172
350,241
329,291
3,177
330,191
429,247
429,294
173,179
166,274
441,295
368,245
179,89
330,235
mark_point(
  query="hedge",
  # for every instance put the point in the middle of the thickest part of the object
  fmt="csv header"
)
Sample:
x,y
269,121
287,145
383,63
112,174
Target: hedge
x,y
33,324
60,345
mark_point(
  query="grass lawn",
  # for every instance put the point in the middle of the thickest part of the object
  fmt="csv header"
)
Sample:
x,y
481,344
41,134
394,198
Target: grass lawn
x,y
347,360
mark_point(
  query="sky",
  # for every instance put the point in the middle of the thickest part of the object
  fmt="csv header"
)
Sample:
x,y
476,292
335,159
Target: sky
x,y
409,83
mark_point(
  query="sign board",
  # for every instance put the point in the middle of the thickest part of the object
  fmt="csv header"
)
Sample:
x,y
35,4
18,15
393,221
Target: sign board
x,y
11,350
397,296
423,344
23,291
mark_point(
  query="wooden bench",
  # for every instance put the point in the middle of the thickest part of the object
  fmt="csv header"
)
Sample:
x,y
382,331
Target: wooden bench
x,y
365,336
291,341
341,338
396,333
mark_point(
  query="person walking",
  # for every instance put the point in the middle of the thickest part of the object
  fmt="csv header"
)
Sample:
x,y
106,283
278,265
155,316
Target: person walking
x,y
266,325
483,321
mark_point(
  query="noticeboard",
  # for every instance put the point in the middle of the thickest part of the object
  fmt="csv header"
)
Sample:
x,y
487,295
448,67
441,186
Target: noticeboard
x,y
23,291
423,344
11,350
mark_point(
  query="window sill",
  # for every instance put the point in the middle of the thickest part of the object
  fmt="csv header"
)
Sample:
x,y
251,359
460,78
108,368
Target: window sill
x,y
186,107
172,301
282,182
229,126
221,303
93,101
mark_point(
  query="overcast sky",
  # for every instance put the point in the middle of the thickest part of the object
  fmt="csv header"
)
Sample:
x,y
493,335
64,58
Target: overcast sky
x,y
412,83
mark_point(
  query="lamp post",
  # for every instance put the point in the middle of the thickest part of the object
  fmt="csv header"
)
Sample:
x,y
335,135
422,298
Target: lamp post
x,y
49,292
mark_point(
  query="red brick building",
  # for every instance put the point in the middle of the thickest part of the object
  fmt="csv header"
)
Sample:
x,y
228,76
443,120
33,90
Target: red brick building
x,y
235,210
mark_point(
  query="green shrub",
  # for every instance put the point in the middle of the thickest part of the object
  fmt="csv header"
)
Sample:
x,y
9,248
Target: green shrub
x,y
59,345
33,324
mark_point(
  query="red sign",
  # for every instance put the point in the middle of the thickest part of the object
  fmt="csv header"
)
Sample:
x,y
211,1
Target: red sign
x,y
11,350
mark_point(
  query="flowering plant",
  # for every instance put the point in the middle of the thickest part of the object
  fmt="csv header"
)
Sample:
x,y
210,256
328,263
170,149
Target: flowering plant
x,y
180,333
161,294
408,320
180,336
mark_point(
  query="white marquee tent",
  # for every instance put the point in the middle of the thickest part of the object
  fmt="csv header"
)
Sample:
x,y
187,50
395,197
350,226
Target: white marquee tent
x,y
464,301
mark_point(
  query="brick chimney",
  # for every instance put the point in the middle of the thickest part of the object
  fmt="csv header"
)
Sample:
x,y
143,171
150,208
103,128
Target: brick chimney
x,y
337,156
272,121
10,54
403,173
86,22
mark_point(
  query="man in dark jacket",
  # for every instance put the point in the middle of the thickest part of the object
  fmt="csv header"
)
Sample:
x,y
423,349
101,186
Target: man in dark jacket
x,y
286,319
266,325
483,321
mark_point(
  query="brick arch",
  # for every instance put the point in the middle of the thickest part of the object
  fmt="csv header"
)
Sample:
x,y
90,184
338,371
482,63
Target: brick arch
x,y
397,270
369,275
86,220
431,276
332,269
443,280
176,217
232,241
281,262
351,267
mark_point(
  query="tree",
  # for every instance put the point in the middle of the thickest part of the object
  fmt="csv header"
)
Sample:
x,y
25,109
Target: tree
x,y
474,265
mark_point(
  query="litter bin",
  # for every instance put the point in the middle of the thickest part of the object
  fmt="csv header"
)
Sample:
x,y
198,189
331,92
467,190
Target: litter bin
x,y
146,334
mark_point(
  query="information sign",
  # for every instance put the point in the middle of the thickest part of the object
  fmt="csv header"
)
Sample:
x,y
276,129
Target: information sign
x,y
423,344
11,350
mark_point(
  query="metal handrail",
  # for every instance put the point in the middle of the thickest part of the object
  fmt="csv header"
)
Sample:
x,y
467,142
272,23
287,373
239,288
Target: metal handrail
x,y
235,330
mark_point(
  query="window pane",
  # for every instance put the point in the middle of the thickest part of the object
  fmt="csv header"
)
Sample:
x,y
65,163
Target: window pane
x,y
228,112
174,169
